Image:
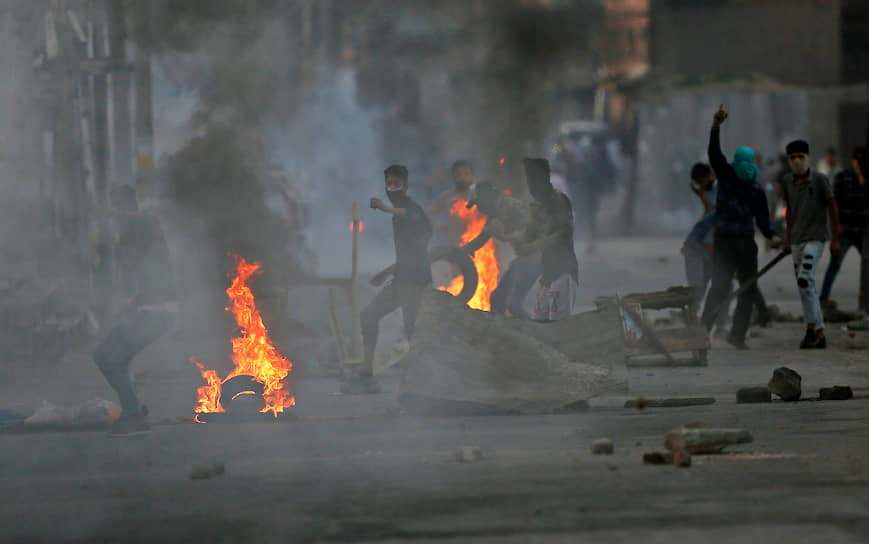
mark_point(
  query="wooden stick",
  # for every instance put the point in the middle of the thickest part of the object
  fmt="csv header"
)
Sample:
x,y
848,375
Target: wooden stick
x,y
355,334
335,325
744,287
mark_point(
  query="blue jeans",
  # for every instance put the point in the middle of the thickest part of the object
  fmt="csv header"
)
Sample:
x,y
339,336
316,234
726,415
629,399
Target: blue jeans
x,y
806,257
835,265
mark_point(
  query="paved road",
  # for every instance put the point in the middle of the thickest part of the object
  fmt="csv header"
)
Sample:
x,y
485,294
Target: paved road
x,y
357,469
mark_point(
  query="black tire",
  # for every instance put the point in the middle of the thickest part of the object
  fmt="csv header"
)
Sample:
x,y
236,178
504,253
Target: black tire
x,y
465,265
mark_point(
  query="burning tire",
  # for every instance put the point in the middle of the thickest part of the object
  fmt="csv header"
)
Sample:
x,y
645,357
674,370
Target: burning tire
x,y
466,267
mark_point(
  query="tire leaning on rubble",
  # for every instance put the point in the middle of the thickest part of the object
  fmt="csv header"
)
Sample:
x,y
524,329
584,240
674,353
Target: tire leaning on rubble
x,y
465,265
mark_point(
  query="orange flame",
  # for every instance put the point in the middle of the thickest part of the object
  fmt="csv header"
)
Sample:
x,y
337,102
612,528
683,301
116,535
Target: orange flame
x,y
252,353
484,259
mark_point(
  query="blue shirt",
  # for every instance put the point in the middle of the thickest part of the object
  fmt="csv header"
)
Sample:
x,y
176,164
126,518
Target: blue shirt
x,y
739,203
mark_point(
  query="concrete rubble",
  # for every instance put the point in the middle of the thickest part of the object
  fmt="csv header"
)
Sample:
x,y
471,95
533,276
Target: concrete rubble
x,y
468,454
837,392
786,383
702,440
476,360
602,446
750,395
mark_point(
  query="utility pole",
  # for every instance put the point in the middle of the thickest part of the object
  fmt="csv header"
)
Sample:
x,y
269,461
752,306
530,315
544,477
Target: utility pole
x,y
864,255
144,104
122,133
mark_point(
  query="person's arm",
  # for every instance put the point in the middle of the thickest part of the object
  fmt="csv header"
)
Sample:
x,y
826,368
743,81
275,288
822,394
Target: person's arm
x,y
761,215
716,158
835,249
377,204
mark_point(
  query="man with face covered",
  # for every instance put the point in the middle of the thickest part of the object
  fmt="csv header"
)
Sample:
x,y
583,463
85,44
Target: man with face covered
x,y
551,233
445,225
739,204
411,275
810,199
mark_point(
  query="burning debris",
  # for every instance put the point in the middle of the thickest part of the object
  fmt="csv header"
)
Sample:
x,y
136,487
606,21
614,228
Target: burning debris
x,y
259,368
485,259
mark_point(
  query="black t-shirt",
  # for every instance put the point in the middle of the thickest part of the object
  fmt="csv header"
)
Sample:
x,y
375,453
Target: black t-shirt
x,y
412,234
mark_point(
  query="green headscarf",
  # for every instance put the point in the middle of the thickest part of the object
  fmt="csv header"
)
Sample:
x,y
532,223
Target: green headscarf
x,y
743,164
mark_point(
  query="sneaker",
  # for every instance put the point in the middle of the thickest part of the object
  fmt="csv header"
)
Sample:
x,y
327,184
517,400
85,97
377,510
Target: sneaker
x,y
736,342
808,339
129,426
818,341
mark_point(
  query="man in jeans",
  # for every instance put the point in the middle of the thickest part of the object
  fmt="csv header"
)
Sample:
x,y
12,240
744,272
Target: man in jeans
x,y
810,200
148,281
851,201
412,231
740,203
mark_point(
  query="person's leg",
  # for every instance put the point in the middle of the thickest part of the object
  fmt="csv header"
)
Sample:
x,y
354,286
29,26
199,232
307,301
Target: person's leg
x,y
746,269
383,304
696,272
498,298
809,255
410,299
722,273
135,331
762,310
833,268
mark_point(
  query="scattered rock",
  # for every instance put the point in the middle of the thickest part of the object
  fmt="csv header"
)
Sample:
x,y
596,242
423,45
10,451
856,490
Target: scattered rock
x,y
837,392
705,440
862,325
602,446
668,403
468,454
835,315
658,458
749,395
786,383
204,471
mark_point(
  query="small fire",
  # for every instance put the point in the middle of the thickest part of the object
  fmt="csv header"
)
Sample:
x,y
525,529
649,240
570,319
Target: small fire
x,y
484,259
252,353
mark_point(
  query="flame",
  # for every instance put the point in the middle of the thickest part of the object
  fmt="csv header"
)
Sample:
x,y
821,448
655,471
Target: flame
x,y
484,259
252,353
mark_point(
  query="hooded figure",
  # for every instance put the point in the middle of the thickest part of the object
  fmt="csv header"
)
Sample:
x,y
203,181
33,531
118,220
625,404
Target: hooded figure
x,y
743,164
551,232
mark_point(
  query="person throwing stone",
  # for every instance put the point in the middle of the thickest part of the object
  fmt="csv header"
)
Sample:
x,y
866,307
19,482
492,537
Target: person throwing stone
x,y
739,204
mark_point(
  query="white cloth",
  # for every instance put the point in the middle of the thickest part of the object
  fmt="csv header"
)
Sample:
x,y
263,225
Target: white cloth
x,y
553,302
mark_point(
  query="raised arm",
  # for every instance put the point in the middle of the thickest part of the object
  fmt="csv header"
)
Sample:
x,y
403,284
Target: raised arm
x,y
716,158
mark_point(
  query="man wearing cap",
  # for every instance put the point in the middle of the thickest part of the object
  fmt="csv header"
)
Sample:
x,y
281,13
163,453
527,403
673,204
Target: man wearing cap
x,y
809,198
739,204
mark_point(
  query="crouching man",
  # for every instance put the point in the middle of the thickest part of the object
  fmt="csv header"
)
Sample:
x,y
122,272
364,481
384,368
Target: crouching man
x,y
148,283
411,276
